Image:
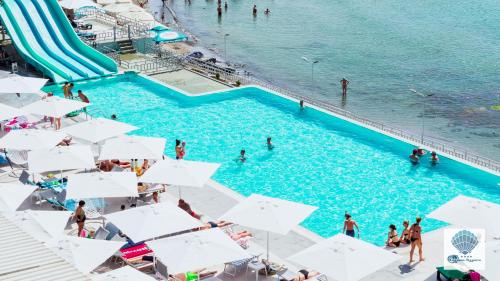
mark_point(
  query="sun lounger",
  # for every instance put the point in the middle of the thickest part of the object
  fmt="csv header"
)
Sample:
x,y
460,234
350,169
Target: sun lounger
x,y
235,267
17,157
133,256
101,233
449,274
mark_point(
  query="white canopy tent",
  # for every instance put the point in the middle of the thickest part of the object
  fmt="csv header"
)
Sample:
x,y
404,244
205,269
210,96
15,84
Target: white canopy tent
x,y
152,221
98,129
12,195
21,85
102,185
180,173
31,139
125,273
85,254
61,158
8,112
470,212
133,147
77,4
344,258
43,225
268,214
54,106
197,249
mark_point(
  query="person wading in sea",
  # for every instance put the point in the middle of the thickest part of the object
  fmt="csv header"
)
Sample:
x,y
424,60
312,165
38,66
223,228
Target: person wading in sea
x,y
344,84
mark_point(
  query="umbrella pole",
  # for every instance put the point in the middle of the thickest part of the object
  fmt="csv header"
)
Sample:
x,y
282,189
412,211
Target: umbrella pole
x,y
180,195
267,243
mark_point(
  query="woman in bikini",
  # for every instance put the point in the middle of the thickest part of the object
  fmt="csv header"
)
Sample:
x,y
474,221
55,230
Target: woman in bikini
x,y
80,216
405,235
305,274
392,237
416,239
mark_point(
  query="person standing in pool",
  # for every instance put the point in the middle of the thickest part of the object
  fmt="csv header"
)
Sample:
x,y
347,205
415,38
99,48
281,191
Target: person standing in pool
x,y
270,145
243,158
434,158
416,239
219,10
301,104
65,90
349,225
70,90
344,84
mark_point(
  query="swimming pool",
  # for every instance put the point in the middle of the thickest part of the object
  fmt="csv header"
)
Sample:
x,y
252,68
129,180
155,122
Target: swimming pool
x,y
318,159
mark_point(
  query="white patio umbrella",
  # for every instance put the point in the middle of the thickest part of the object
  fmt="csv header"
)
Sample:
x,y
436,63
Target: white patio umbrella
x,y
268,214
344,258
21,85
61,158
470,212
8,112
180,173
125,273
492,270
102,185
54,106
98,129
43,225
85,254
133,147
30,139
77,4
197,249
105,2
12,195
152,221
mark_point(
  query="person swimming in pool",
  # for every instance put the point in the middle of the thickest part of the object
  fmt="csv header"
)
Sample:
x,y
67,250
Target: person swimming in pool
x,y
349,225
243,158
434,158
414,157
421,151
270,145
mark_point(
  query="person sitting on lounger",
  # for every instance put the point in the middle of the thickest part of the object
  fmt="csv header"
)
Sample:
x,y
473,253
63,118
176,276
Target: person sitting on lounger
x,y
186,207
392,237
240,235
196,274
304,274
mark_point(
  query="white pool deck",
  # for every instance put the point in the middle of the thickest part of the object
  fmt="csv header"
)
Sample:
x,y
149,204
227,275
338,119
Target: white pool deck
x,y
215,199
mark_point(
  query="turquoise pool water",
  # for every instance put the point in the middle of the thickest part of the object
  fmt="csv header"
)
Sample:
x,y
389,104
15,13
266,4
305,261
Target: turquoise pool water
x,y
318,159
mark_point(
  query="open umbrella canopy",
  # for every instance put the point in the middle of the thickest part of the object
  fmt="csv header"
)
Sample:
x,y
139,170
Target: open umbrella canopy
x,y
125,273
470,212
8,112
152,221
197,249
21,85
102,185
133,147
98,129
77,4
12,195
344,258
54,106
85,254
280,215
159,28
43,225
492,270
61,158
30,139
122,8
163,36
180,172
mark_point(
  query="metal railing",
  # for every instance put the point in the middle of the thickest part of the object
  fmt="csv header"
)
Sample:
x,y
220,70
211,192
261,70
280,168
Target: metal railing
x,y
436,145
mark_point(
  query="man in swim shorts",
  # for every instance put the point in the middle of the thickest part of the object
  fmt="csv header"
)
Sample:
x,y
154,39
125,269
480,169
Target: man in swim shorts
x,y
349,225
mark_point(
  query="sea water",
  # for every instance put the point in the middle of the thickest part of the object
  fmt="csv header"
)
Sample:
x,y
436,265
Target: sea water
x,y
386,49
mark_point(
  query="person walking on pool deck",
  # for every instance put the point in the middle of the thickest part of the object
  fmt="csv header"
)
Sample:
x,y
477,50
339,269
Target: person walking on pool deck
x,y
349,225
344,84
80,217
416,239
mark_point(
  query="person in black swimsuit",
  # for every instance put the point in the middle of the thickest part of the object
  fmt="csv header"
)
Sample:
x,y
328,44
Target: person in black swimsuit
x,y
405,235
416,239
80,216
305,274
